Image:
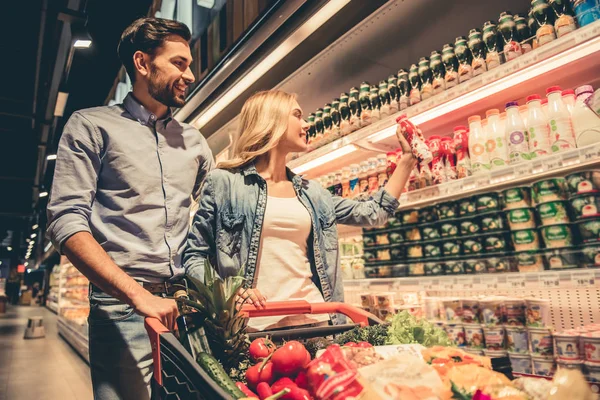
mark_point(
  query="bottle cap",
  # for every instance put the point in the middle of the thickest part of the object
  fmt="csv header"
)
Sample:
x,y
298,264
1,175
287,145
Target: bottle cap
x,y
545,101
474,118
568,92
533,97
460,128
493,111
512,104
553,89
400,118
584,89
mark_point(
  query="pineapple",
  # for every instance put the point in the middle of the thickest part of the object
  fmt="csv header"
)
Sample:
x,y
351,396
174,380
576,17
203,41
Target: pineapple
x,y
225,327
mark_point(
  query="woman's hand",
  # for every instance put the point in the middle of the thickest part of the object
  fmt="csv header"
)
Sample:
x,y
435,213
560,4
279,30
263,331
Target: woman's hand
x,y
407,155
250,296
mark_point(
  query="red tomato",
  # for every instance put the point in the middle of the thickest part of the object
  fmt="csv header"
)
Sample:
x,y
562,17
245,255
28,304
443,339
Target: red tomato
x,y
254,375
261,348
289,358
350,344
364,345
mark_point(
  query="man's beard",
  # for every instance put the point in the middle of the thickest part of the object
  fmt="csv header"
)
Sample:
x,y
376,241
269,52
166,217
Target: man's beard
x,y
162,91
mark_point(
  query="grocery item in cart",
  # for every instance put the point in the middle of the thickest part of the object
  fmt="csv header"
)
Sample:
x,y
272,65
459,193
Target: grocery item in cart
x,y
495,337
537,128
538,312
586,124
521,363
567,345
438,70
451,65
557,236
474,336
515,312
525,239
583,182
543,365
565,21
521,218
589,230
562,258
544,17
559,119
585,205
517,339
465,59
510,38
551,189
553,213
541,341
478,50
492,311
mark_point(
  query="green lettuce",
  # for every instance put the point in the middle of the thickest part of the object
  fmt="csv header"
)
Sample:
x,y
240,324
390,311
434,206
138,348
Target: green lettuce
x,y
407,329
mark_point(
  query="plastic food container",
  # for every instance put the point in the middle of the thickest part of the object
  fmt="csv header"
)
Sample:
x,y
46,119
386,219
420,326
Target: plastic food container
x,y
526,239
393,222
521,363
567,345
495,353
453,308
591,255
416,269
396,237
474,336
543,365
469,228
447,210
487,202
369,256
553,212
449,229
557,236
451,248
491,223
434,268
561,258
428,214
521,218
369,240
470,311
499,264
399,270
456,333
472,246
576,365
454,267
476,266
593,372
432,250
412,234
414,251
409,217
491,311
529,261
591,346
384,300
589,230
518,197
474,351
541,341
430,233
552,189
495,337
384,254
382,239
467,207
583,182
517,339
398,252
495,243
515,312
585,205
537,312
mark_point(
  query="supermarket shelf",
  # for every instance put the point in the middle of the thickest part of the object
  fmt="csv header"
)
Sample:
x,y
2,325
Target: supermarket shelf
x,y
569,61
544,167
560,279
348,231
75,302
75,335
52,306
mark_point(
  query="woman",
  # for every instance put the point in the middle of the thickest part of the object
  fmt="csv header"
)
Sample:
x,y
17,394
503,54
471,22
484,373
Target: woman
x,y
254,213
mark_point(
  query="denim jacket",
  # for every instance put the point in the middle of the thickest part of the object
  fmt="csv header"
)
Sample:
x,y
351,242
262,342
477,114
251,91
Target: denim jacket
x,y
227,226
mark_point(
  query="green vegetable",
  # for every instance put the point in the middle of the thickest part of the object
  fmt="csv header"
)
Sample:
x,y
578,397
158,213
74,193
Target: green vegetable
x,y
458,393
407,329
215,370
377,335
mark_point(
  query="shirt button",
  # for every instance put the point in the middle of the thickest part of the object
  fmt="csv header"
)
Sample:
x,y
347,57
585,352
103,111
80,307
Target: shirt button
x,y
152,117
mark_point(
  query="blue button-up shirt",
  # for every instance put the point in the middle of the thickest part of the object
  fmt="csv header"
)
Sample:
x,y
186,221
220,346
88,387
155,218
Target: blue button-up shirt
x,y
128,178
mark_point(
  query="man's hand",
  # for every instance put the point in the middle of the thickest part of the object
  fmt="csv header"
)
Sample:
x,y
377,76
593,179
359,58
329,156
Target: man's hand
x,y
251,296
164,310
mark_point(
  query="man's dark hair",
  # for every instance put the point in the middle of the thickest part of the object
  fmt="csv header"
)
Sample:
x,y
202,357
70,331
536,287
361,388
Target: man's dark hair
x,y
147,35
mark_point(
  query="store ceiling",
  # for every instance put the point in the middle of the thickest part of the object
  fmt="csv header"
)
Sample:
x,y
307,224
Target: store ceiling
x,y
27,65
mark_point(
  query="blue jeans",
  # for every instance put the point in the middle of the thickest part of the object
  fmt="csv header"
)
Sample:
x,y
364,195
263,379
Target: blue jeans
x,y
120,352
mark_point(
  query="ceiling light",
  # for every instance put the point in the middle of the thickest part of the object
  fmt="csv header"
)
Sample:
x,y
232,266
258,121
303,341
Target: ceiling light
x,y
26,264
9,248
51,157
342,151
33,235
43,194
82,43
28,270
28,240
48,246
35,227
264,66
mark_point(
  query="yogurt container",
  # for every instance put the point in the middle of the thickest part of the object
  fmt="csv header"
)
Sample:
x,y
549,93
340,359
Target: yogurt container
x,y
492,311
449,229
576,365
583,182
592,372
474,336
557,236
567,345
521,218
589,230
470,311
495,353
541,341
476,266
518,197
447,210
553,212
521,363
561,258
491,223
591,255
549,190
529,261
585,205
469,228
456,333
453,308
487,202
517,339
543,365
515,312
537,313
591,346
467,206
430,233
525,239
472,246
475,352
409,217
495,337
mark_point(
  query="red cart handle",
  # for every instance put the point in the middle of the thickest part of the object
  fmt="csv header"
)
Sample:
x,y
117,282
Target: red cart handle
x,y
295,307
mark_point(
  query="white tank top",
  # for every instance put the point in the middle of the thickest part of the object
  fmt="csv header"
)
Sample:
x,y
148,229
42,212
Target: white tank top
x,y
283,267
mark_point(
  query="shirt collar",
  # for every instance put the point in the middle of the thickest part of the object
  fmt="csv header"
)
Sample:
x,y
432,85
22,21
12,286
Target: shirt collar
x,y
141,113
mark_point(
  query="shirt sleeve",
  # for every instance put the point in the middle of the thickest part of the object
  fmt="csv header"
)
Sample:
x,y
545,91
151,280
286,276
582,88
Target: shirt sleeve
x,y
372,212
207,164
75,180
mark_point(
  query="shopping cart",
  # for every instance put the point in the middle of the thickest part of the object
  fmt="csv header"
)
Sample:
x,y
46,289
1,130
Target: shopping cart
x,y
178,376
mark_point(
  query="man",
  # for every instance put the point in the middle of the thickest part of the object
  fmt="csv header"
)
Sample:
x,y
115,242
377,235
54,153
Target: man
x,y
119,209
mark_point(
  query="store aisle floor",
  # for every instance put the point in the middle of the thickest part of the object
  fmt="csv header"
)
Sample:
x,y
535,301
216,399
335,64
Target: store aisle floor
x,y
40,369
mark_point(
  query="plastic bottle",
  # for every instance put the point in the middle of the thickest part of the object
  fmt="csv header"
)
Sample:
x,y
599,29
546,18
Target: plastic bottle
x,y
375,104
516,135
372,175
568,97
363,178
523,112
449,158
382,176
538,131
415,83
586,11
437,163
565,21
461,148
337,183
330,183
495,144
366,109
586,124
346,182
354,181
544,17
545,106
479,158
559,119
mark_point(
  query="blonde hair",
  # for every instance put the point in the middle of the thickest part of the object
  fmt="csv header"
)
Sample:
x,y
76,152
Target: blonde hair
x,y
263,121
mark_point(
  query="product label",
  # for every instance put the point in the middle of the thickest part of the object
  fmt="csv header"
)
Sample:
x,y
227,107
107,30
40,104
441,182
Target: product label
x,y
513,196
516,340
518,147
524,237
474,337
557,232
539,139
494,339
555,211
545,34
519,216
565,24
354,187
492,60
515,315
562,135
541,343
512,50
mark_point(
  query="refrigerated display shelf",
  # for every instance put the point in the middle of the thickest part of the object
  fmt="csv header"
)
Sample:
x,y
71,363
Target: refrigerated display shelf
x,y
52,306
75,301
571,58
75,335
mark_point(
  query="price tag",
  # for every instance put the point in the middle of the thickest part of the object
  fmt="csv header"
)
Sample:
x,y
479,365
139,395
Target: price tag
x,y
550,280
515,282
481,181
448,284
583,278
464,282
589,154
490,282
428,285
552,163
